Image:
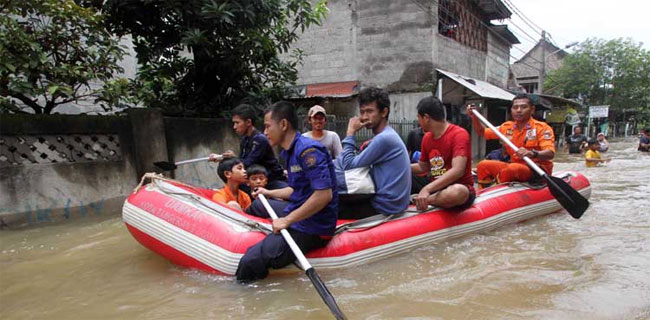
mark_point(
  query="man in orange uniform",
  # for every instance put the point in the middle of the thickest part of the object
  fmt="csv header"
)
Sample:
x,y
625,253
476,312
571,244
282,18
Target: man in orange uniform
x,y
535,140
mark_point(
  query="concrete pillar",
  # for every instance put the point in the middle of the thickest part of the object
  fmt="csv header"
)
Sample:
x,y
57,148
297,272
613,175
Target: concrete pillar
x,y
149,142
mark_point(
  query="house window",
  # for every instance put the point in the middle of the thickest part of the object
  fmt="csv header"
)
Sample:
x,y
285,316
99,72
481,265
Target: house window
x,y
462,21
447,19
529,87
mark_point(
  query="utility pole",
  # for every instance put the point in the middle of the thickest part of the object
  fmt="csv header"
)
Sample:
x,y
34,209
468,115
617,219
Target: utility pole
x,y
542,72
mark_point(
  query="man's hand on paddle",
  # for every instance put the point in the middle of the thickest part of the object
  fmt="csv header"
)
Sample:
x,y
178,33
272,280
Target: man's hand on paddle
x,y
523,152
214,157
228,154
258,191
477,125
280,223
469,109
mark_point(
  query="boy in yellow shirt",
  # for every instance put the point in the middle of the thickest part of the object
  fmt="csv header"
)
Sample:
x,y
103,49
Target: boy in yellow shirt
x,y
592,156
232,172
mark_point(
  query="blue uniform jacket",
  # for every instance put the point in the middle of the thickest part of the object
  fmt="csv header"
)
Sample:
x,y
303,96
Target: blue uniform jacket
x,y
255,149
310,168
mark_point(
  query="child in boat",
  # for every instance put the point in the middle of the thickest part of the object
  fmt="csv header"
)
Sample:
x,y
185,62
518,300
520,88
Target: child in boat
x,y
257,176
232,172
254,147
592,156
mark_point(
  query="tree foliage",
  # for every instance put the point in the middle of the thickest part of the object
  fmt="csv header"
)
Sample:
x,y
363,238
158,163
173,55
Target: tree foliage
x,y
614,72
202,57
54,52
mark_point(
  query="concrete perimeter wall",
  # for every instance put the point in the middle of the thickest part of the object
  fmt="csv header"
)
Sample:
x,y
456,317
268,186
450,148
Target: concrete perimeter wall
x,y
384,43
190,138
60,167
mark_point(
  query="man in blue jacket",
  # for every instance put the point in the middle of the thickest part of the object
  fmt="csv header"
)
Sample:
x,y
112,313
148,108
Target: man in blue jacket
x,y
254,147
386,155
309,214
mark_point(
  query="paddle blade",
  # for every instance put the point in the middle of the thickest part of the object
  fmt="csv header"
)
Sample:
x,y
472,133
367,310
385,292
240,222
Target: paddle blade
x,y
164,165
324,293
568,197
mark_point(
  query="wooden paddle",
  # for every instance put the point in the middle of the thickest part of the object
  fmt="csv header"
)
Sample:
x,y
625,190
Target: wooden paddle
x,y
568,197
169,166
309,270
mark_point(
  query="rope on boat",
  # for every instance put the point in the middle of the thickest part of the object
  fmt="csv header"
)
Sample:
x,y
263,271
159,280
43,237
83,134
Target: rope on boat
x,y
366,223
376,220
151,176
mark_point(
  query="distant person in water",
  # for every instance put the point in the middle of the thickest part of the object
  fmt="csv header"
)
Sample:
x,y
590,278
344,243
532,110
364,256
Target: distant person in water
x,y
603,145
577,142
592,156
644,140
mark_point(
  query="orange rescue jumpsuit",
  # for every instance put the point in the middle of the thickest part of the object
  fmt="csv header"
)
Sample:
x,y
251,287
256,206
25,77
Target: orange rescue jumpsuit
x,y
535,135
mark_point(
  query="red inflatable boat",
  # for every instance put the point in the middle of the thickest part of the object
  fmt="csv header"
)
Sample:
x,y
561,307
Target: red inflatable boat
x,y
182,224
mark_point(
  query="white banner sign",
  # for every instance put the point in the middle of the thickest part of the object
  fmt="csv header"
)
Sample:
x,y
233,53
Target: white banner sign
x,y
598,111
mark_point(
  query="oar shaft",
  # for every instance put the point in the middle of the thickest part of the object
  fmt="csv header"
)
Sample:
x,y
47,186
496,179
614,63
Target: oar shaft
x,y
309,270
192,160
287,237
507,141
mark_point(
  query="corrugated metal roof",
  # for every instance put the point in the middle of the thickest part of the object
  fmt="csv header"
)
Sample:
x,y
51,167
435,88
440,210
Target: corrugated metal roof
x,y
481,88
559,101
333,89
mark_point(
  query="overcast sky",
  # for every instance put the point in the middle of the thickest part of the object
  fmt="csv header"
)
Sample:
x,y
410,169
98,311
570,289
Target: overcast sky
x,y
576,20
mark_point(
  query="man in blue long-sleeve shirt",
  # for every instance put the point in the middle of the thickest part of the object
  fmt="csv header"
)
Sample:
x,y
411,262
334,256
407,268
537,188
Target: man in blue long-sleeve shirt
x,y
386,155
255,148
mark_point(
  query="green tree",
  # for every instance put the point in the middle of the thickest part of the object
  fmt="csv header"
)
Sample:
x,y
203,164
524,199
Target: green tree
x,y
201,57
614,72
54,52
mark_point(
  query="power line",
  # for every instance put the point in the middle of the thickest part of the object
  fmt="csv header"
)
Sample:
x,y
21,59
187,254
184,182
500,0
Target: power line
x,y
556,43
536,32
524,32
523,17
535,27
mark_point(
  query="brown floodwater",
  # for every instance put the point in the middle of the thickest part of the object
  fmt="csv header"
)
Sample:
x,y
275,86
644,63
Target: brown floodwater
x,y
552,267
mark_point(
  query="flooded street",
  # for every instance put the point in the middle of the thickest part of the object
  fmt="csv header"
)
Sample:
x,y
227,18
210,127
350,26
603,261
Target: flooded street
x,y
552,267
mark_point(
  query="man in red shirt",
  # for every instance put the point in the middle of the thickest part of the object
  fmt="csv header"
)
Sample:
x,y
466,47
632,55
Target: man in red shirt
x,y
446,153
535,140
